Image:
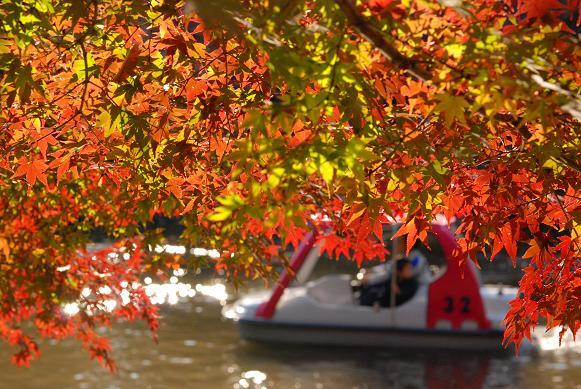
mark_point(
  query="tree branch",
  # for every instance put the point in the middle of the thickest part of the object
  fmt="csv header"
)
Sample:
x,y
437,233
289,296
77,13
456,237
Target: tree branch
x,y
375,37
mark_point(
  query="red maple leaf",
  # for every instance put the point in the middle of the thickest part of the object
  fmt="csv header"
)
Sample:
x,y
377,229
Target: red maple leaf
x,y
539,8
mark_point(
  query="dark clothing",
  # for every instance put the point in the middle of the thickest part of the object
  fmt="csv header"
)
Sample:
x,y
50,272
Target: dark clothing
x,y
407,290
371,294
381,293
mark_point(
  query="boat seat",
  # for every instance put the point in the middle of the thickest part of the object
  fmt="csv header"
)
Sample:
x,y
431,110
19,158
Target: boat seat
x,y
331,289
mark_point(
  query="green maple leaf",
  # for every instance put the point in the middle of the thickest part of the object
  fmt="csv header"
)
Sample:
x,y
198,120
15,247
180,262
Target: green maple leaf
x,y
452,107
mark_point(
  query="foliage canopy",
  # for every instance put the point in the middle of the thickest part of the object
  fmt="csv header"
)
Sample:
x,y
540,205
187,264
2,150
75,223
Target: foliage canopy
x,y
250,118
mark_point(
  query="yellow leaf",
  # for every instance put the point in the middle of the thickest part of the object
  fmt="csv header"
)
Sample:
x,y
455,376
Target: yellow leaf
x,y
452,107
104,120
162,29
327,172
222,213
109,126
455,50
36,123
4,247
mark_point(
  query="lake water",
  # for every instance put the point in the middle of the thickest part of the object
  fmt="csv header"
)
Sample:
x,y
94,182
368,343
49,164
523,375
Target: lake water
x,y
198,349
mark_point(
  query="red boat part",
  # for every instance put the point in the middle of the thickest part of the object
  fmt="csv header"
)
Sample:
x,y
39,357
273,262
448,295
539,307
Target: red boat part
x,y
266,310
453,297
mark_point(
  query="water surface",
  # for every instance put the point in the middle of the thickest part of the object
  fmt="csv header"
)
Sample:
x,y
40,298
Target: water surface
x,y
198,349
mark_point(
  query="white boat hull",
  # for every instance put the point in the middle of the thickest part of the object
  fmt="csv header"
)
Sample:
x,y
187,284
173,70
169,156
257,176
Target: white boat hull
x,y
277,332
303,318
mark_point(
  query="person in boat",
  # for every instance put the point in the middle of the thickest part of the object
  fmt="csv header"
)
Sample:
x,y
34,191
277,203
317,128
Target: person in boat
x,y
379,295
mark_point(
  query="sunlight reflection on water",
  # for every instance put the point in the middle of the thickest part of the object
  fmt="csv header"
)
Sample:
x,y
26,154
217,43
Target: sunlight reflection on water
x,y
171,292
252,376
216,291
160,293
181,250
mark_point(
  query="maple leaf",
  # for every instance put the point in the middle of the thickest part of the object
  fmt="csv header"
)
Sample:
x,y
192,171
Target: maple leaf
x,y
497,246
129,64
174,186
161,130
5,247
63,168
33,170
539,8
195,88
452,107
380,3
533,250
357,211
44,139
412,234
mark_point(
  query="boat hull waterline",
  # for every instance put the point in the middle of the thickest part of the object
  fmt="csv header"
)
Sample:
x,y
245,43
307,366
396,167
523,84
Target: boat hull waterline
x,y
276,332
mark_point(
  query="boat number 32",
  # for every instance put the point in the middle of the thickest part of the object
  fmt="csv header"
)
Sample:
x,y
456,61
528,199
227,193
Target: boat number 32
x,y
462,304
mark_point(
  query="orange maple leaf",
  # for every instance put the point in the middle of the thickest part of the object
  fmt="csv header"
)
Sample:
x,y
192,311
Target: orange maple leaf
x,y
33,170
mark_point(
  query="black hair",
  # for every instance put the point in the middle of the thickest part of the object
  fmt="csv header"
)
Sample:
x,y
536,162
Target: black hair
x,y
402,262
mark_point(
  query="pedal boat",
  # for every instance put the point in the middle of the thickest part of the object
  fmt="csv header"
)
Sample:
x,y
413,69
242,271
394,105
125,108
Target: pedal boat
x,y
448,311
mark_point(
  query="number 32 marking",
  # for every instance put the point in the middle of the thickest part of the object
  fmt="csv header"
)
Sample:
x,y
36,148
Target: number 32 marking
x,y
464,304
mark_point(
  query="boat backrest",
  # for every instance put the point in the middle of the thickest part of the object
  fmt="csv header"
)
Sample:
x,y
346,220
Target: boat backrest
x,y
331,289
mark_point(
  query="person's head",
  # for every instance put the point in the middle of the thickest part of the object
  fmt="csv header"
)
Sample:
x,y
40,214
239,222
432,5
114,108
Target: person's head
x,y
404,268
